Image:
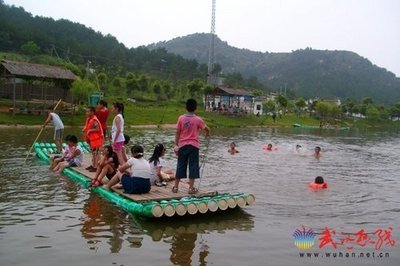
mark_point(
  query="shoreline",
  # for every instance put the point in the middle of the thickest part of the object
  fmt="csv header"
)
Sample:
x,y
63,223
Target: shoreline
x,y
164,126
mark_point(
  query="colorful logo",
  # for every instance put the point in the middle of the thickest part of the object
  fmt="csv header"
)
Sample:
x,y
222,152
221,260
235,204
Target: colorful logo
x,y
304,239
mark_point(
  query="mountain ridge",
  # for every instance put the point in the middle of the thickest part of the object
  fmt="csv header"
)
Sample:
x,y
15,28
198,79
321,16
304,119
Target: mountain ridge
x,y
309,72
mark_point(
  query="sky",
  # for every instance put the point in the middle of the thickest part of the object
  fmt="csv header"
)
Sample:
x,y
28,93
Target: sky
x,y
370,28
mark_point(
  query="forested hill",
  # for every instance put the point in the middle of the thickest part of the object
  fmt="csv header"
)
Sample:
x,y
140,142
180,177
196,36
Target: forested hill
x,y
308,72
80,44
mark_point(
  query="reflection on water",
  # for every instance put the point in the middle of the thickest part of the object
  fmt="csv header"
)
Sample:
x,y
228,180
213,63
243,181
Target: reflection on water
x,y
41,212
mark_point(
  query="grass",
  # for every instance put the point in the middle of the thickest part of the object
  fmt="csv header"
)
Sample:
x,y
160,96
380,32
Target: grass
x,y
156,113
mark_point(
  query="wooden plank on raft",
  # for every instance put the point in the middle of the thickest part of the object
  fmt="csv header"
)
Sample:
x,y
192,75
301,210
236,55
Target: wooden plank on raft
x,y
155,194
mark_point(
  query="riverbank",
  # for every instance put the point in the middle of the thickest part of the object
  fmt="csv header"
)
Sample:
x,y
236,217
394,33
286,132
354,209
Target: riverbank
x,y
156,115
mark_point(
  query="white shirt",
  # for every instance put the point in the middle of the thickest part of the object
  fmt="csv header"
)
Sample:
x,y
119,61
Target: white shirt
x,y
56,120
114,129
78,159
140,167
153,169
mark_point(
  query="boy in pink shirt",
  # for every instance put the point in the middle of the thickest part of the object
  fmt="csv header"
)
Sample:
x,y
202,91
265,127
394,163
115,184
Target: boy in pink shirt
x,y
187,145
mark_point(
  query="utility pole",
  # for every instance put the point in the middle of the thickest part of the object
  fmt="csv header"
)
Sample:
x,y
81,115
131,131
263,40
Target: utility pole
x,y
211,76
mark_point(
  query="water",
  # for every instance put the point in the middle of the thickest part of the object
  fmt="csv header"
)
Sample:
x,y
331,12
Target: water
x,y
46,219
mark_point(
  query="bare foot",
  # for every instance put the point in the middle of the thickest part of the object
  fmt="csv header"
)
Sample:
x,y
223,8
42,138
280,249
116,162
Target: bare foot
x,y
106,187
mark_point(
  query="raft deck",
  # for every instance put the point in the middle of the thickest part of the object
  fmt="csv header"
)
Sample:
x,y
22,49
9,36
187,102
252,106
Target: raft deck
x,y
155,194
160,201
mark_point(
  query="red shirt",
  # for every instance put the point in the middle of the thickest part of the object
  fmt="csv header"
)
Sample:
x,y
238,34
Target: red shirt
x,y
102,115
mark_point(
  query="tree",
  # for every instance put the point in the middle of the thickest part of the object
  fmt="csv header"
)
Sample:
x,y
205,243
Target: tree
x,y
269,106
300,104
157,88
30,48
131,86
194,87
143,83
283,102
372,113
82,89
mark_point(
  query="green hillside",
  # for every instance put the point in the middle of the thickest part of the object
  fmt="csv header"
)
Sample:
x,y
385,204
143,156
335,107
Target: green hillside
x,y
20,32
308,72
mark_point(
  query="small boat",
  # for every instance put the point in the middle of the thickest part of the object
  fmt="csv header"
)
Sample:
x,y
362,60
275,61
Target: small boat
x,y
318,127
160,201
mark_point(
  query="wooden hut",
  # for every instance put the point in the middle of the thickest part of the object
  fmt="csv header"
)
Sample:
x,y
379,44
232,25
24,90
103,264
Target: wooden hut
x,y
24,81
230,100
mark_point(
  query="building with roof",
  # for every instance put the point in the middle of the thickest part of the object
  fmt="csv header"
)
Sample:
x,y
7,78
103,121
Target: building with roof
x,y
23,81
223,99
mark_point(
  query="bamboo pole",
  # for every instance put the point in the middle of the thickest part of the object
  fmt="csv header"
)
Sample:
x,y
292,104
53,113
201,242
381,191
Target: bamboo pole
x,y
40,132
250,199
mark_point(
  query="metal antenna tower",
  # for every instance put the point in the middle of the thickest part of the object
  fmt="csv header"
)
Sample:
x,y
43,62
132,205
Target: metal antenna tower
x,y
211,76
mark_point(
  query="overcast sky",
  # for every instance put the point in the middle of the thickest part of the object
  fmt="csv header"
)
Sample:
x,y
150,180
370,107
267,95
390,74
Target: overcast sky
x,y
370,28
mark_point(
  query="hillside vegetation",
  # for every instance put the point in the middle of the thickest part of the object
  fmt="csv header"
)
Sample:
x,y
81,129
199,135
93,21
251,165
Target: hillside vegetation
x,y
307,72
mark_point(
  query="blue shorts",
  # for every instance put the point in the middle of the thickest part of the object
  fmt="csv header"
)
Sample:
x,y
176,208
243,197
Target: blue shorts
x,y
135,185
72,164
188,154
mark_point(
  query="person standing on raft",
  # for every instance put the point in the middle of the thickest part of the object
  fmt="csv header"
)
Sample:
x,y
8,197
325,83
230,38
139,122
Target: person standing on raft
x,y
58,127
93,134
187,145
102,114
117,132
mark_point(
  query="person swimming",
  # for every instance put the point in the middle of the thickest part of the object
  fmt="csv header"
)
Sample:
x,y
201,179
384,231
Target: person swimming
x,y
318,183
232,148
317,152
269,147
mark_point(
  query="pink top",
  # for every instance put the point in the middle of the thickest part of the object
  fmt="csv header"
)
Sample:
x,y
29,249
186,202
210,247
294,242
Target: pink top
x,y
188,127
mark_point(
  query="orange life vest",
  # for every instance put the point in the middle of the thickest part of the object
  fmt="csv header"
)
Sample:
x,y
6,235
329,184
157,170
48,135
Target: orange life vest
x,y
95,138
314,185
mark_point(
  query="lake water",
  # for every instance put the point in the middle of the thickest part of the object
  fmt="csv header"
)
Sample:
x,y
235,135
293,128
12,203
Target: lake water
x,y
46,219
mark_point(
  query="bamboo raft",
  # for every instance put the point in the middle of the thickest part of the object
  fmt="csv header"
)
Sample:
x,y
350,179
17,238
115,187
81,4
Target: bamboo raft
x,y
318,127
160,201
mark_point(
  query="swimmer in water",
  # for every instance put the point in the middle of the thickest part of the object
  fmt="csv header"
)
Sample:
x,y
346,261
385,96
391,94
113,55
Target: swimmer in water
x,y
269,147
318,183
299,150
317,152
232,148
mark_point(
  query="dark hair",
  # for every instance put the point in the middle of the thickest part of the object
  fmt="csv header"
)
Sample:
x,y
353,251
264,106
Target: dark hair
x,y
233,143
158,150
191,105
120,107
318,147
298,146
73,139
67,137
102,102
51,108
138,149
127,139
319,180
92,109
112,154
109,149
269,145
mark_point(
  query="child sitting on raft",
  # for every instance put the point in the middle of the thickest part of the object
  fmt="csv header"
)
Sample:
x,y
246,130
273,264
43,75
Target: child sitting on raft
x,y
75,155
138,181
232,148
157,163
319,183
107,166
54,160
